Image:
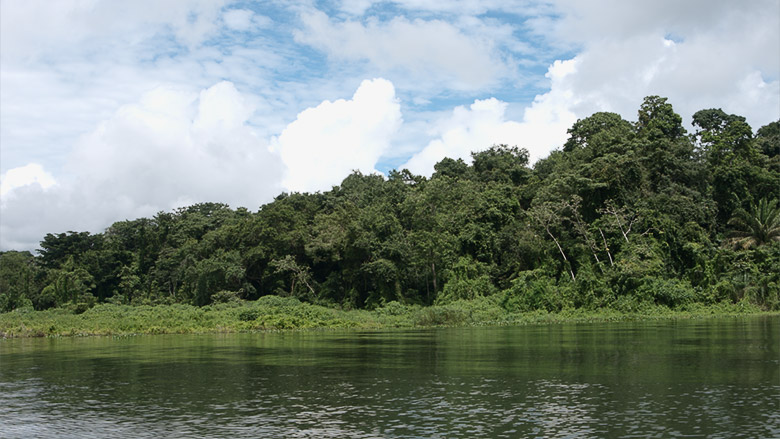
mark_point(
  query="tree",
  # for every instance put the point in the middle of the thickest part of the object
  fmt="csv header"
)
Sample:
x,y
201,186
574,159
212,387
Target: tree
x,y
548,217
768,138
502,163
19,279
754,228
723,137
57,249
448,167
298,275
666,154
599,133
70,284
657,119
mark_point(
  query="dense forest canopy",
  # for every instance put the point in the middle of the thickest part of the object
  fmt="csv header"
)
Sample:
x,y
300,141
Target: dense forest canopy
x,y
624,214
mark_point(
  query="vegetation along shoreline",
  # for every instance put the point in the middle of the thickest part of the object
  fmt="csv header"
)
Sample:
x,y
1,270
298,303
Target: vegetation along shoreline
x,y
273,314
627,220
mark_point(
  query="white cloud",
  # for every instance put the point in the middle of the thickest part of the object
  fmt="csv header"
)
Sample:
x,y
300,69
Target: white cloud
x,y
68,66
464,7
30,174
325,143
173,148
616,76
699,54
238,19
35,28
431,51
484,124
72,72
244,19
176,147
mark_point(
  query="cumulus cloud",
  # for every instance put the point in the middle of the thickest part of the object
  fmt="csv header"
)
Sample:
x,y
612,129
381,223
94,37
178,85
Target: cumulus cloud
x,y
69,65
72,72
432,50
173,148
177,147
700,54
325,143
31,174
484,123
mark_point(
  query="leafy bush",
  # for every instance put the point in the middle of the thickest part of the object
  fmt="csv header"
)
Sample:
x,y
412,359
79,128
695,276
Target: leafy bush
x,y
440,316
668,292
248,315
532,290
468,279
466,289
225,297
394,308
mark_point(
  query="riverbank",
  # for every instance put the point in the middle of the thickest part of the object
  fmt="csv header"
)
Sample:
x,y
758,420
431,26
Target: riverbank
x,y
272,313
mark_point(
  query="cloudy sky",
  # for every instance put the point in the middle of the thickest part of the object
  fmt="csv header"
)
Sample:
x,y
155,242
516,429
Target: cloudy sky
x,y
113,110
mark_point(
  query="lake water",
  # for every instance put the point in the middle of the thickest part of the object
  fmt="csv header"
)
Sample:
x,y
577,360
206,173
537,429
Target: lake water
x,y
707,378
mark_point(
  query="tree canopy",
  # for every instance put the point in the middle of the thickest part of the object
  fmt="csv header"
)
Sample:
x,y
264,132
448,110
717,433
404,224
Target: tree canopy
x,y
624,214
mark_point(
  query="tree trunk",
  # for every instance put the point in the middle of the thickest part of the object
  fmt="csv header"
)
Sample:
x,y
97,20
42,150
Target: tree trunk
x,y
571,272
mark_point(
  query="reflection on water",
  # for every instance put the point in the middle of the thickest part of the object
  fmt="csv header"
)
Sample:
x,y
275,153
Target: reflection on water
x,y
715,378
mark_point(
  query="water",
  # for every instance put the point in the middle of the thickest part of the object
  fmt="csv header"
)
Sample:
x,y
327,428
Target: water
x,y
710,378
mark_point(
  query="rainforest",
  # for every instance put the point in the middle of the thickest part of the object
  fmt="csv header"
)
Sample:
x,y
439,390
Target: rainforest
x,y
623,217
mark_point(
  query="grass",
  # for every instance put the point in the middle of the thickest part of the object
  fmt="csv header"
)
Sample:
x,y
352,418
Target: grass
x,y
272,313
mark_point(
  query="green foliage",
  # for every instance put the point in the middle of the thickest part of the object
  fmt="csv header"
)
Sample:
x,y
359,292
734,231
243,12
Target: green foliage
x,y
599,134
657,119
533,290
768,139
225,297
759,226
21,281
468,281
667,292
625,216
277,313
502,163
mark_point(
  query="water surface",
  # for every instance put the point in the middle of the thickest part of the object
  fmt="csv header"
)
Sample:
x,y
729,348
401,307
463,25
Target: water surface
x,y
705,378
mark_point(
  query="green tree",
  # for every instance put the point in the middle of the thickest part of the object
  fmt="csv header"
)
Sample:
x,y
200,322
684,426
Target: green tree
x,y
549,217
502,163
57,249
723,137
20,280
599,134
657,119
300,277
768,138
70,284
759,226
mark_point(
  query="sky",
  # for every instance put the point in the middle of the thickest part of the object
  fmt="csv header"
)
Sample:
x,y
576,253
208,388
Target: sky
x,y
114,110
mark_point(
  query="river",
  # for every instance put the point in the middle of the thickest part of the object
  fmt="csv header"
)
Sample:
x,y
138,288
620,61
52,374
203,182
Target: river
x,y
715,378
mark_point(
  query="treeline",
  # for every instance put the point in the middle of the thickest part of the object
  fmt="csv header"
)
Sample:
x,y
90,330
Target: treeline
x,y
625,214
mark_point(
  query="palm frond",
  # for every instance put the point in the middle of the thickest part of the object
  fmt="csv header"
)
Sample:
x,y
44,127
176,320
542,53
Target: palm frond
x,y
759,226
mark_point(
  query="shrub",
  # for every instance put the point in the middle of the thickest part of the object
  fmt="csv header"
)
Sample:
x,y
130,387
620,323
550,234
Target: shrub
x,y
248,315
466,289
669,292
393,308
440,316
532,290
225,297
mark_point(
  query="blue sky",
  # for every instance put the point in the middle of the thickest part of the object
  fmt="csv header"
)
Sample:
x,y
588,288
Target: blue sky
x,y
116,110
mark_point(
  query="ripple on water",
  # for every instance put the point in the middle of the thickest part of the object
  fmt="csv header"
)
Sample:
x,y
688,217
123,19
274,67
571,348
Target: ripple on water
x,y
534,388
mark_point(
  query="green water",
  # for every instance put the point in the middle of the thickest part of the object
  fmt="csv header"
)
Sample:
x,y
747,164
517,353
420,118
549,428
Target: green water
x,y
706,378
